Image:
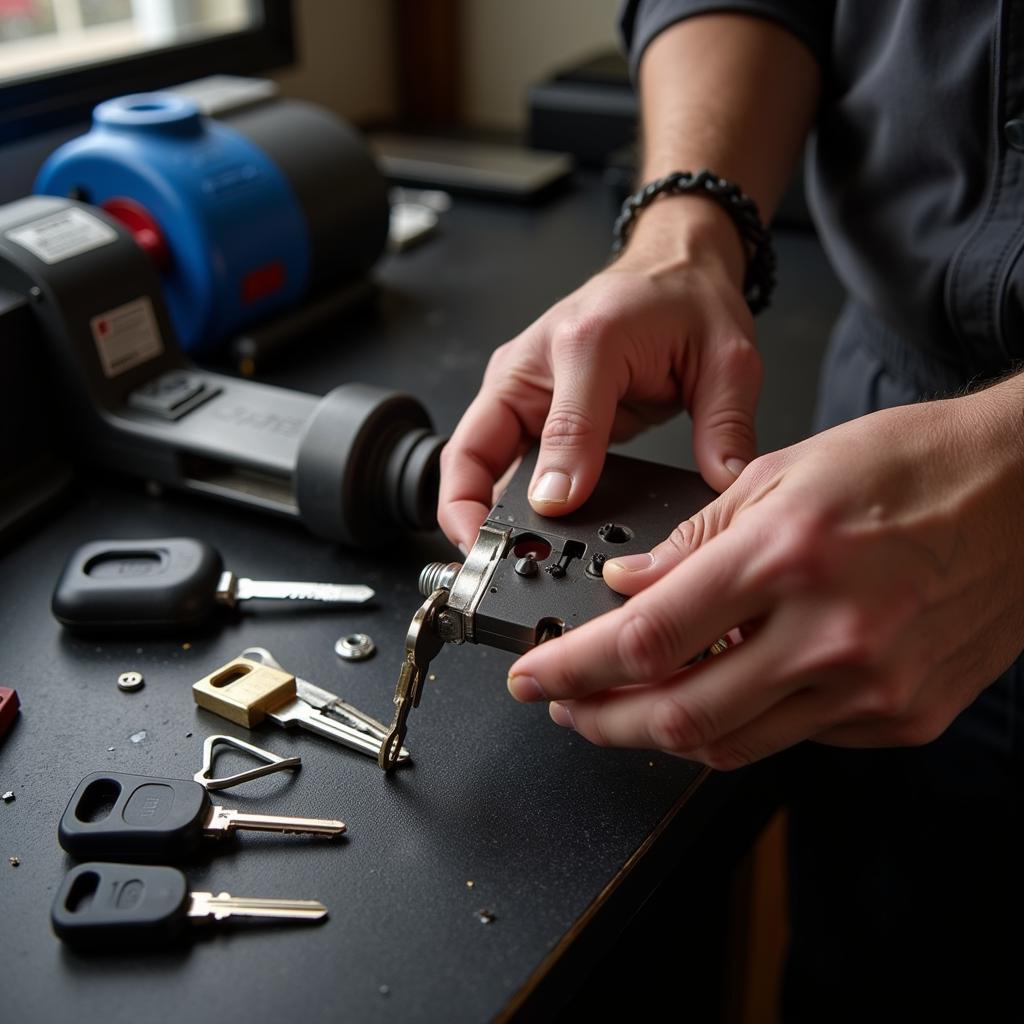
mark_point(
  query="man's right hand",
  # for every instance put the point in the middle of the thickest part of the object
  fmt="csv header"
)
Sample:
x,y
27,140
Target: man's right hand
x,y
664,328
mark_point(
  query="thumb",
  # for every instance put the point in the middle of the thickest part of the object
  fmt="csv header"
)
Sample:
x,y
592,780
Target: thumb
x,y
723,410
575,437
629,574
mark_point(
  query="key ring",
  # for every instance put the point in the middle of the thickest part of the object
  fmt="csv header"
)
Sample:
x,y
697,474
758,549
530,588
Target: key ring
x,y
273,763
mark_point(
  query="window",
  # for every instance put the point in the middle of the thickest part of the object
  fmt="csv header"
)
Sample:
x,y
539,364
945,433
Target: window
x,y
60,57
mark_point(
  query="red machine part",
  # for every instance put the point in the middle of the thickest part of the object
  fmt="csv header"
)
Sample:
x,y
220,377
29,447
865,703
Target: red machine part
x,y
143,225
9,704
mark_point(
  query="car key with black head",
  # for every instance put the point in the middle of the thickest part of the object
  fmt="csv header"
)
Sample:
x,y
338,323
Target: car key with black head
x,y
111,906
167,583
125,817
529,578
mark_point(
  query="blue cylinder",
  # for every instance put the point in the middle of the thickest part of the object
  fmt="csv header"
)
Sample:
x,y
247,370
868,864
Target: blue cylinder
x,y
220,218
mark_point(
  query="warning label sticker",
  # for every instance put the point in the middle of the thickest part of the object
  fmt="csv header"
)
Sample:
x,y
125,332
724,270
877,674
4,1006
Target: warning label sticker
x,y
126,336
62,235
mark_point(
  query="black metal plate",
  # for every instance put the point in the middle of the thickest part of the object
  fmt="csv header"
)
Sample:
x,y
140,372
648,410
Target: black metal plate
x,y
644,499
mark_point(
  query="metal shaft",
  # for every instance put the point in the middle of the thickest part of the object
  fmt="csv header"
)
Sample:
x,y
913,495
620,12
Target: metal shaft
x,y
223,820
205,904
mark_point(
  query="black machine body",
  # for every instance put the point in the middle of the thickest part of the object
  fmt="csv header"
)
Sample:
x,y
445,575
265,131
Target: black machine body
x,y
529,578
355,466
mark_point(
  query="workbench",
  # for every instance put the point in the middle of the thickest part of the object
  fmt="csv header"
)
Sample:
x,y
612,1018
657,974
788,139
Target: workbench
x,y
558,842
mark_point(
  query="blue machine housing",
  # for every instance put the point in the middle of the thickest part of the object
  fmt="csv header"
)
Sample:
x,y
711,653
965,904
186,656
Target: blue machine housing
x,y
238,238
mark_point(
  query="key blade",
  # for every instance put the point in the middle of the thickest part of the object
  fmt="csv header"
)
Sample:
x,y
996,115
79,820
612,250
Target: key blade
x,y
283,590
388,756
297,712
222,821
205,904
331,704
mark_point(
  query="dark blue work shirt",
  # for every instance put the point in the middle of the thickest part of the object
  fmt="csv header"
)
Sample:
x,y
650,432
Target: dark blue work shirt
x,y
916,166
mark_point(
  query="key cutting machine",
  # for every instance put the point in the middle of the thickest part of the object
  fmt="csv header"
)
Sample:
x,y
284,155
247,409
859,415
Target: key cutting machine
x,y
165,232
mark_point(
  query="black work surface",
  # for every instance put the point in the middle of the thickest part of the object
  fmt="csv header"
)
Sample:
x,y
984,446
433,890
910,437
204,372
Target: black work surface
x,y
544,826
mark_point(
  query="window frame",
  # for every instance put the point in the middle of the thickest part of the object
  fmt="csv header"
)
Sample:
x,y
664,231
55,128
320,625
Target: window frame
x,y
49,100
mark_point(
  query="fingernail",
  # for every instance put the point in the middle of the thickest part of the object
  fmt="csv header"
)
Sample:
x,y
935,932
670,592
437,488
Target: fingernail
x,y
735,466
630,563
561,715
463,549
525,689
552,486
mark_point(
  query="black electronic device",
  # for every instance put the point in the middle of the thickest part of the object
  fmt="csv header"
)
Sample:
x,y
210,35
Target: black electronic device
x,y
168,584
114,816
588,110
106,907
528,578
357,465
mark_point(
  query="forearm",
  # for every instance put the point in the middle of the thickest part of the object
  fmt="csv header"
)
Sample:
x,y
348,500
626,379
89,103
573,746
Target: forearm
x,y
732,93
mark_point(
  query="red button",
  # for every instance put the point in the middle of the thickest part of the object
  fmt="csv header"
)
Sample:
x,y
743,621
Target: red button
x,y
263,281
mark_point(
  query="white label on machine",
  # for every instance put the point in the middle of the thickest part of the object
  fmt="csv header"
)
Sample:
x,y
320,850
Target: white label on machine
x,y
62,235
126,336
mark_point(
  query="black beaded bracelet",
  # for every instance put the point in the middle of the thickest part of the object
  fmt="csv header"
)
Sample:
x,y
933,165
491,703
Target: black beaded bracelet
x,y
759,282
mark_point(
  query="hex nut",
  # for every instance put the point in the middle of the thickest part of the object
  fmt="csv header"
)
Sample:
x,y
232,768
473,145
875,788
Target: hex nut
x,y
354,647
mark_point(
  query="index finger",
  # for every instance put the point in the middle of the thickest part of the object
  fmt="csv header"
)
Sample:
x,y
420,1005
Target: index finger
x,y
653,634
489,437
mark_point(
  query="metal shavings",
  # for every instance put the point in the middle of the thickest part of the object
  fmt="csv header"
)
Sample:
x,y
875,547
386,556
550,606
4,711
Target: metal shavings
x,y
470,884
432,677
110,750
8,797
138,737
14,861
486,916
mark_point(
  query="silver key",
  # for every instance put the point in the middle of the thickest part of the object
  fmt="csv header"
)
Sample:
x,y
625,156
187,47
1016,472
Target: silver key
x,y
222,821
325,713
205,905
231,589
422,645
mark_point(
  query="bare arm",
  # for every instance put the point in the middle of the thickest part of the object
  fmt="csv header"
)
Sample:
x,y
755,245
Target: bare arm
x,y
665,327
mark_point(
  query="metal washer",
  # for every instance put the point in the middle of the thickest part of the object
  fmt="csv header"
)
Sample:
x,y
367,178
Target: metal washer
x,y
129,681
354,647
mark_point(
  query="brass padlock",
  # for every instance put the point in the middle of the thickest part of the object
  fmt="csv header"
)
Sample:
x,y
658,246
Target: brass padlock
x,y
244,691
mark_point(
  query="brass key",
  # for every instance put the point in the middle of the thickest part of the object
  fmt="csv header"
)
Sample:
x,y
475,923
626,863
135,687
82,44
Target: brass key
x,y
422,645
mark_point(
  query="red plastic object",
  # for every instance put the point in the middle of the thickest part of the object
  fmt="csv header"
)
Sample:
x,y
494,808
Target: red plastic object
x,y
143,225
9,704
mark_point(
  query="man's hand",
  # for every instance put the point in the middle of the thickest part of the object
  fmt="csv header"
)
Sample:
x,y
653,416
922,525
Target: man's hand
x,y
663,329
876,572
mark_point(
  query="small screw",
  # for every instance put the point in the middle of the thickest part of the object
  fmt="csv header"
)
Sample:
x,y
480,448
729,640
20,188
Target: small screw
x,y
613,533
527,565
14,861
470,884
596,566
8,797
130,681
557,570
355,647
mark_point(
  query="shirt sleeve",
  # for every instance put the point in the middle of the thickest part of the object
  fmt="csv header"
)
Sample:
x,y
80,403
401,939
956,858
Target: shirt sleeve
x,y
809,20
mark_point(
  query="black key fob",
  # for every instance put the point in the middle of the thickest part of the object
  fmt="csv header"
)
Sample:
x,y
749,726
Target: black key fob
x,y
112,816
106,906
141,585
